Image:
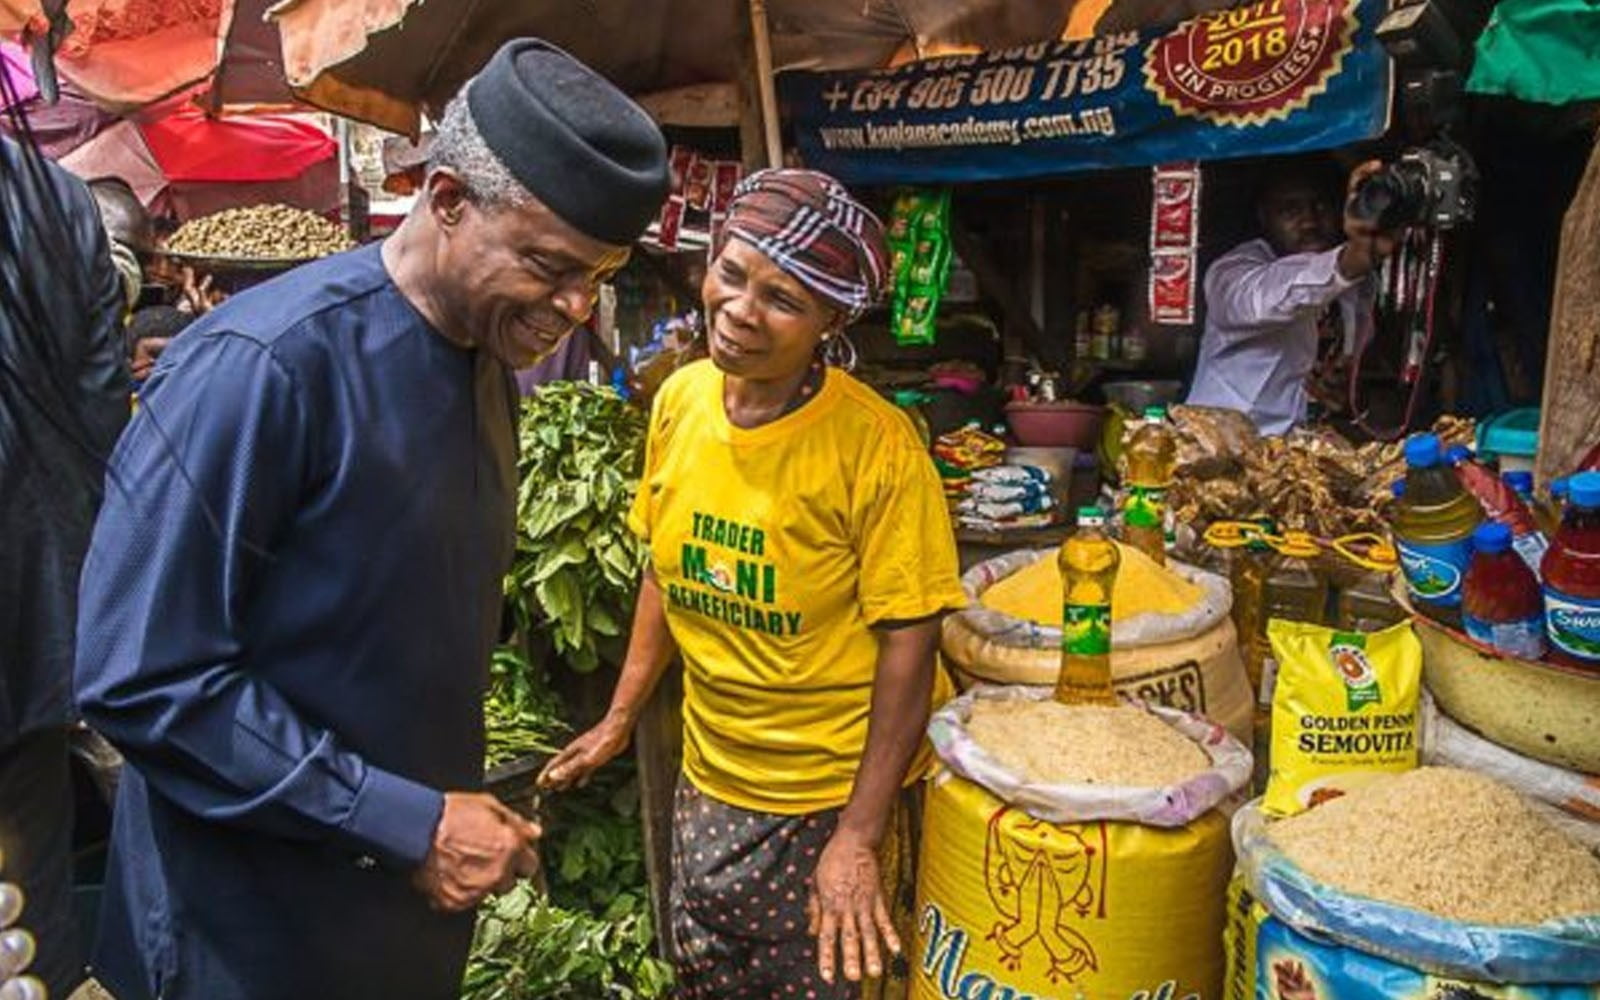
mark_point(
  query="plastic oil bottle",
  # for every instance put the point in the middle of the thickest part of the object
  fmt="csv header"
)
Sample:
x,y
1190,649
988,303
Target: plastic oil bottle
x,y
1295,590
1571,572
1248,577
1364,604
1432,526
1151,454
1088,561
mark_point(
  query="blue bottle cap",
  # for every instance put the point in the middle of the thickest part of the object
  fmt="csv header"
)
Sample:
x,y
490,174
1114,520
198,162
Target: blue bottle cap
x,y
1558,488
1398,488
1583,490
1457,454
1520,480
1422,451
1491,537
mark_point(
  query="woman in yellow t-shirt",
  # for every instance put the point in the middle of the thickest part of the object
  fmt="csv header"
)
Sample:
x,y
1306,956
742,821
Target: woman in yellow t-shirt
x,y
801,558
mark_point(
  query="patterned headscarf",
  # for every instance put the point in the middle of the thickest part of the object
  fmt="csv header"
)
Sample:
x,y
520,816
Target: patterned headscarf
x,y
815,232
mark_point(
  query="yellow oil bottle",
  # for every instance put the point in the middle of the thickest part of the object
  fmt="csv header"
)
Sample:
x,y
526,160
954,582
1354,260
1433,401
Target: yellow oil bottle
x,y
1151,454
1088,561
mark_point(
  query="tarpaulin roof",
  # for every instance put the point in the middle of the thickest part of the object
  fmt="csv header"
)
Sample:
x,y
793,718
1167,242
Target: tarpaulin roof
x,y
191,163
384,61
127,54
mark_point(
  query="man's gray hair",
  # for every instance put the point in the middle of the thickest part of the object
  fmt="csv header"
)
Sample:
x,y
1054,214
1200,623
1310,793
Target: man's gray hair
x,y
459,145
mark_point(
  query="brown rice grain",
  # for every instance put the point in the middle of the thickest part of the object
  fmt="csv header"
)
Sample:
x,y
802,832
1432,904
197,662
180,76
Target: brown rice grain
x,y
1449,842
1052,743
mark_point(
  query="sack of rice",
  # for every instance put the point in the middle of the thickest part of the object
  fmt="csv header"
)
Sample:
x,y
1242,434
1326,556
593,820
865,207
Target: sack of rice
x,y
1435,883
1074,852
1344,711
1447,743
1172,642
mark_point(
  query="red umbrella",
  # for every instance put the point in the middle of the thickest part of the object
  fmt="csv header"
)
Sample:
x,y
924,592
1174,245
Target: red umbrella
x,y
193,164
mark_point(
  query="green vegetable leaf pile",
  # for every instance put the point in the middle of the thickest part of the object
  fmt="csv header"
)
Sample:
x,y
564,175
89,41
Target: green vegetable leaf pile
x,y
577,565
521,714
527,948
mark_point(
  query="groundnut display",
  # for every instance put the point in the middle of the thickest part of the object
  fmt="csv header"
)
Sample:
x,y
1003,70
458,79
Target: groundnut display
x,y
262,232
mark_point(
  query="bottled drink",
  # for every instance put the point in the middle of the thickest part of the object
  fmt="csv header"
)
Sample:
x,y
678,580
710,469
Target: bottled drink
x,y
1500,502
1571,572
1295,590
1248,576
1521,483
1501,604
1152,452
1365,605
1088,561
1432,526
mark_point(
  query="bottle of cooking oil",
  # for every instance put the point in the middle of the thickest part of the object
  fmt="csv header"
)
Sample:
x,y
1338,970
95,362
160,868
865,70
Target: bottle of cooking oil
x,y
1432,526
1365,604
1248,575
1296,590
1088,561
1151,454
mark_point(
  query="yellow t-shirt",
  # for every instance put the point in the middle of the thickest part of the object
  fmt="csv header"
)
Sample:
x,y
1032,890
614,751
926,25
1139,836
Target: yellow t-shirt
x,y
776,549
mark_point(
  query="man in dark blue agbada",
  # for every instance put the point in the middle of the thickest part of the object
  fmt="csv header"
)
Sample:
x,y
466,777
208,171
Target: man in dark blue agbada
x,y
293,589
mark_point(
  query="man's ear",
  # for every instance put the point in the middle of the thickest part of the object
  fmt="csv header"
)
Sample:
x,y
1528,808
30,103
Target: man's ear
x,y
447,197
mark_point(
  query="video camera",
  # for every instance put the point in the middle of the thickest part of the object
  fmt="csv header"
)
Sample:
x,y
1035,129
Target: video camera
x,y
1430,186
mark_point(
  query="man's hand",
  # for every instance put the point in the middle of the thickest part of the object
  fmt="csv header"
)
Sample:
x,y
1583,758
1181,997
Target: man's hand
x,y
1365,244
197,296
847,911
479,847
145,353
584,755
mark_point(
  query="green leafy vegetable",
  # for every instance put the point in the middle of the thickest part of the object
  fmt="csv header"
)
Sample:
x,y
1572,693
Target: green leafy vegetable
x,y
527,948
521,715
577,565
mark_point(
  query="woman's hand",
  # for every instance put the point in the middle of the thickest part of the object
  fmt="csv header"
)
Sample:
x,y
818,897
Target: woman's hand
x,y
847,912
584,755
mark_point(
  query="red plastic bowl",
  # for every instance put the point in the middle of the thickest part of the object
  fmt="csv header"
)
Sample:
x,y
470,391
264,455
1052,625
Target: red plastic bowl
x,y
1056,425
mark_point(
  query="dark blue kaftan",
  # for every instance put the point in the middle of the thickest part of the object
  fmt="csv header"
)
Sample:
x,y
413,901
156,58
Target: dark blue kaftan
x,y
288,610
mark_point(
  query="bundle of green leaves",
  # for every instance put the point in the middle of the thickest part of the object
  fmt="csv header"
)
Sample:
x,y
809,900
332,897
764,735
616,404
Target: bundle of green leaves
x,y
528,948
577,565
521,714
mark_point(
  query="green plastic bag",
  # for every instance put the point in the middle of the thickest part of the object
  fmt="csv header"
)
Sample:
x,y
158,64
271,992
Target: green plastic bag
x,y
919,247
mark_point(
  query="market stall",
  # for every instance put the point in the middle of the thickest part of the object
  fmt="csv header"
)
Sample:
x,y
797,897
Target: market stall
x,y
1282,618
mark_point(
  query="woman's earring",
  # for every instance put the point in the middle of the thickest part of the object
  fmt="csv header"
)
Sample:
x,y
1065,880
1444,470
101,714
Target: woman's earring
x,y
838,351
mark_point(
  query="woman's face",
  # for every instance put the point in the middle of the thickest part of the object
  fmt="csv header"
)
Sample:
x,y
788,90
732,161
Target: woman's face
x,y
761,324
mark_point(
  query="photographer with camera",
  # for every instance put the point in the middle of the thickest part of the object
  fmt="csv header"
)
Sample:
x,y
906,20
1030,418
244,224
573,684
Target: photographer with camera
x,y
1271,301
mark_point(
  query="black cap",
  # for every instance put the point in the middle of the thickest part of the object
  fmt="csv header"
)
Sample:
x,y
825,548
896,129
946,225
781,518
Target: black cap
x,y
574,140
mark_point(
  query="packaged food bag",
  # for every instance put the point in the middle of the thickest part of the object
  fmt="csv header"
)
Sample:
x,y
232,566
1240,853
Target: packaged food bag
x,y
1056,891
1345,708
920,253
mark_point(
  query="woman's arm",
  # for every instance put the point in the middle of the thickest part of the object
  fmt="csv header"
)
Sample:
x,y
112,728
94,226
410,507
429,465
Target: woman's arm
x,y
650,649
848,910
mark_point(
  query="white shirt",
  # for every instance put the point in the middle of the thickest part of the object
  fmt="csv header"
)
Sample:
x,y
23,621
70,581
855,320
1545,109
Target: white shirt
x,y
1260,339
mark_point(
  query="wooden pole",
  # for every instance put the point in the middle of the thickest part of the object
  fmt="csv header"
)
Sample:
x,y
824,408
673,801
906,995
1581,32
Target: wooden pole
x,y
764,82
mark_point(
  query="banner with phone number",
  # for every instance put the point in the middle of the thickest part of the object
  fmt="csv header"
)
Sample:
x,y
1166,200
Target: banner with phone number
x,y
1280,76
